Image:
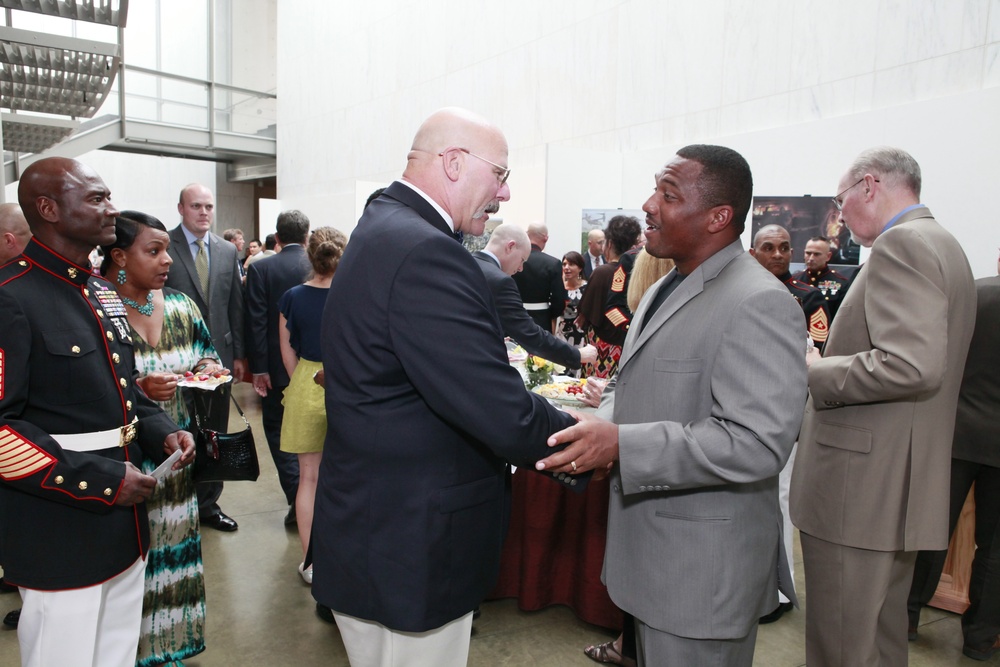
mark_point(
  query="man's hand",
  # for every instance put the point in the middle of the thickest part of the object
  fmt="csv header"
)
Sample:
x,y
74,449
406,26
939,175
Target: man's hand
x,y
183,441
588,354
812,356
240,369
159,386
136,487
592,391
261,383
320,378
594,446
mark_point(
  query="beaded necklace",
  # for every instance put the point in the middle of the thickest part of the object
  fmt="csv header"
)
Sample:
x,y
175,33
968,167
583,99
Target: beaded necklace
x,y
143,309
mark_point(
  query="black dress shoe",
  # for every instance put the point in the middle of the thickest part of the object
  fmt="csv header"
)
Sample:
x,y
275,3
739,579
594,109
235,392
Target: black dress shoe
x,y
290,517
324,613
219,521
968,651
777,613
7,588
11,619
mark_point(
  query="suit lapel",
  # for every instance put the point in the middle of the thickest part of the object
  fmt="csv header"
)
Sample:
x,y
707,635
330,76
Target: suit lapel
x,y
406,195
217,264
184,257
692,286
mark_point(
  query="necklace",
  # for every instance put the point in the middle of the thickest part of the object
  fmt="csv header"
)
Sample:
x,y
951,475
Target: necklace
x,y
144,309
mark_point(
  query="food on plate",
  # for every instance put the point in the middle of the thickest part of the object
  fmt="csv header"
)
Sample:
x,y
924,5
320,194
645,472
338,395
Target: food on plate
x,y
204,380
567,390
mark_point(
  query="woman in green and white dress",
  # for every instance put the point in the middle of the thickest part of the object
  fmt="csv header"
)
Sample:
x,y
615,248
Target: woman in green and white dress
x,y
169,337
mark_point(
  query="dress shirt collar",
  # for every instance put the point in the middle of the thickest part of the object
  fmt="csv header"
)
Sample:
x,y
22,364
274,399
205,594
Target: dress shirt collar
x,y
444,214
494,257
899,215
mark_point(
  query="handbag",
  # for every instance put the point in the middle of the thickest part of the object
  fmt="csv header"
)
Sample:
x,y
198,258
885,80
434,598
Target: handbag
x,y
223,457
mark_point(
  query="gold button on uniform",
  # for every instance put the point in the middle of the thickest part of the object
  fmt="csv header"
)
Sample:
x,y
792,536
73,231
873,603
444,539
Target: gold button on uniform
x,y
23,263
100,314
128,405
71,272
59,479
110,335
86,292
116,358
75,349
108,492
83,486
123,383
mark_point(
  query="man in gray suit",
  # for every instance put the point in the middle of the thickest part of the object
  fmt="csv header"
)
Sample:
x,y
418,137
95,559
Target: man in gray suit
x,y
871,479
205,268
701,418
975,460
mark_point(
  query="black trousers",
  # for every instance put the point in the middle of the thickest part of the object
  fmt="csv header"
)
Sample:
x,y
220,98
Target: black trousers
x,y
981,621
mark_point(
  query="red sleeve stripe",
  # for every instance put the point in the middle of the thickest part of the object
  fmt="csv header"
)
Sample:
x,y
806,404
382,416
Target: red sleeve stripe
x,y
19,457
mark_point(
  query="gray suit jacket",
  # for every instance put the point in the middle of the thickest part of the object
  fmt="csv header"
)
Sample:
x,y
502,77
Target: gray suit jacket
x,y
223,310
709,398
874,458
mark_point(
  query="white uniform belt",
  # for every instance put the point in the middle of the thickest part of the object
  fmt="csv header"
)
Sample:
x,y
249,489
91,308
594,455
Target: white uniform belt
x,y
536,306
91,442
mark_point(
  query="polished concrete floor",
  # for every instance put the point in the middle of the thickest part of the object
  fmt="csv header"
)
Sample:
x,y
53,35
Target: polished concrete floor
x,y
261,613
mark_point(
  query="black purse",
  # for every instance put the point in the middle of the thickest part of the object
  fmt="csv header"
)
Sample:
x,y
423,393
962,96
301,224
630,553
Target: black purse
x,y
219,456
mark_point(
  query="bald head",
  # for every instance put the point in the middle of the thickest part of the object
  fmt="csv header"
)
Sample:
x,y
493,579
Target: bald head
x,y
459,160
14,232
538,234
510,245
67,206
595,242
772,246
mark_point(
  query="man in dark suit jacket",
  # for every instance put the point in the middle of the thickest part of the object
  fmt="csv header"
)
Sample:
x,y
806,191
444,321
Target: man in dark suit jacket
x,y
219,297
594,257
267,281
975,458
540,281
503,257
423,409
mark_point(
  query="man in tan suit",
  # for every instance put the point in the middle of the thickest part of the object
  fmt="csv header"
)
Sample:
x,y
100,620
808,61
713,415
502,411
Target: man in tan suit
x,y
871,481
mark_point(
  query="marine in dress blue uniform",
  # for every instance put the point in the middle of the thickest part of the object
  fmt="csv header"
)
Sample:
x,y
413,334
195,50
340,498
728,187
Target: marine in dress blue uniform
x,y
72,421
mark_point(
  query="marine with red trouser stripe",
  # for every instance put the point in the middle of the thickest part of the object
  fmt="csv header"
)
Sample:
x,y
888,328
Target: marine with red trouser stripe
x,y
73,423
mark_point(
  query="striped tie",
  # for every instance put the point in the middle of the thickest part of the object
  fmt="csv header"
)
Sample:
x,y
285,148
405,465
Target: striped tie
x,y
201,266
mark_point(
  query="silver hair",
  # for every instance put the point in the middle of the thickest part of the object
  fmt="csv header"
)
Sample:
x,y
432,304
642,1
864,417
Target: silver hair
x,y
892,165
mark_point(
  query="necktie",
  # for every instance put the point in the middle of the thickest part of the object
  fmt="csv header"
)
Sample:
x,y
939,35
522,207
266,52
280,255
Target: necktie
x,y
201,266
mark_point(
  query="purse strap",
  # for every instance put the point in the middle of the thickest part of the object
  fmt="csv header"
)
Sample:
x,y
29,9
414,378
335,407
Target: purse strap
x,y
197,417
238,409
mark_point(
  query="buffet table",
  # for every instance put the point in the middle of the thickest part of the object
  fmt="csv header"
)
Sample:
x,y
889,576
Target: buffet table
x,y
554,551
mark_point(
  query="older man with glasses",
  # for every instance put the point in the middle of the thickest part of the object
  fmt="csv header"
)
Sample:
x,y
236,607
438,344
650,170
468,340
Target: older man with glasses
x,y
871,485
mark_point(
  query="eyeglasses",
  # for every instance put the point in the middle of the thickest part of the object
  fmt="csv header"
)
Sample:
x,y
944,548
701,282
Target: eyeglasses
x,y
502,176
836,200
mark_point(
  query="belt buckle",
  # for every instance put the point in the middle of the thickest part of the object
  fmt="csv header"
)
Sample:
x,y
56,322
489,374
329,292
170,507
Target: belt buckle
x,y
127,433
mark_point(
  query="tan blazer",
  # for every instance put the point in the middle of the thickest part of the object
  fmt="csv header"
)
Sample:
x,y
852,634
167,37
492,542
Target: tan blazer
x,y
709,398
874,458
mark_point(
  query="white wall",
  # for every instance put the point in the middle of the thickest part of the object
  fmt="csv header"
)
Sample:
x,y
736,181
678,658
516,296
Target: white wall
x,y
800,85
146,183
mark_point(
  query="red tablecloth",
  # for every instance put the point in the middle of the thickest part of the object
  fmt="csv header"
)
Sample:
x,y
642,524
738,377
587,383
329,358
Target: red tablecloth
x,y
554,549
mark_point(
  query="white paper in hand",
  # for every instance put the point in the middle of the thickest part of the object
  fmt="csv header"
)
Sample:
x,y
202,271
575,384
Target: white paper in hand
x,y
164,468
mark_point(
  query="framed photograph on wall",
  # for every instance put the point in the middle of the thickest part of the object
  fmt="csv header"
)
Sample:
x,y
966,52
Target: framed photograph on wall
x,y
804,218
597,218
